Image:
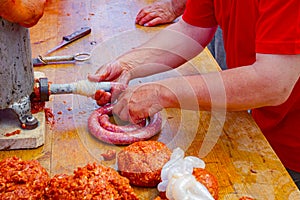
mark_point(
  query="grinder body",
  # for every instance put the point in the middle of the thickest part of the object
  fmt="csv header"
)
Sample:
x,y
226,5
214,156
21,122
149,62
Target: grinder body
x,y
16,71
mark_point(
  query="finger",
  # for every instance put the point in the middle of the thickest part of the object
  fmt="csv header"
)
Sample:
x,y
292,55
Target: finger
x,y
95,77
136,117
105,73
112,73
100,75
147,18
140,15
121,110
124,78
117,89
155,21
154,109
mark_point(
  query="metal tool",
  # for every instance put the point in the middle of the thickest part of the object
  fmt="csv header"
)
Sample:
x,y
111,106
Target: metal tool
x,y
82,87
71,38
42,60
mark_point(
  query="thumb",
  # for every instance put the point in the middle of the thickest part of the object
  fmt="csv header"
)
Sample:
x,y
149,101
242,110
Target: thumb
x,y
124,78
95,77
116,89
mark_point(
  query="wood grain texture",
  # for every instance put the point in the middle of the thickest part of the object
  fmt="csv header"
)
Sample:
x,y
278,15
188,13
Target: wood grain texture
x,y
242,160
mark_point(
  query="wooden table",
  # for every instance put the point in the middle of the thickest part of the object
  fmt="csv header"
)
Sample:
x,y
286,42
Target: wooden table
x,y
241,159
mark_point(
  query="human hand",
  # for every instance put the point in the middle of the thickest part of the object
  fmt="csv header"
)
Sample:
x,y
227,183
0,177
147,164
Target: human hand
x,y
26,13
116,71
102,97
157,13
139,102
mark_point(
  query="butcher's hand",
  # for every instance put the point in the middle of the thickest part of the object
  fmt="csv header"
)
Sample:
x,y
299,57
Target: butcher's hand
x,y
161,12
115,71
26,13
157,13
141,101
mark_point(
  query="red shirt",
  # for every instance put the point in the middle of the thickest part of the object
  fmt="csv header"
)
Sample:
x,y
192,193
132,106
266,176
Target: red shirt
x,y
259,26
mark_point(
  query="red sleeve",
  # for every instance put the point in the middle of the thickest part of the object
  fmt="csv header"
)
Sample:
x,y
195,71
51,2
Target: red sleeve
x,y
278,27
200,13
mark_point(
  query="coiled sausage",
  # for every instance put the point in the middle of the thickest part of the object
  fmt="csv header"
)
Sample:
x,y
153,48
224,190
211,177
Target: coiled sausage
x,y
102,129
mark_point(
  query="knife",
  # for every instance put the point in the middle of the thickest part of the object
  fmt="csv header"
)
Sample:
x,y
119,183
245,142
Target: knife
x,y
71,38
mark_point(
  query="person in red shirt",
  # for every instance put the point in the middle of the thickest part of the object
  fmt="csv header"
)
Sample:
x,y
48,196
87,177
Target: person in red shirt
x,y
262,52
167,11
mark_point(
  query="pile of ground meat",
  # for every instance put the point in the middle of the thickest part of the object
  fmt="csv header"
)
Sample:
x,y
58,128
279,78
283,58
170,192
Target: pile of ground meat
x,y
139,164
21,179
90,182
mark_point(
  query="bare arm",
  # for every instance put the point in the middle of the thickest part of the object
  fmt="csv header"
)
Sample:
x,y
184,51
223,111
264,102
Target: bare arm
x,y
169,49
268,82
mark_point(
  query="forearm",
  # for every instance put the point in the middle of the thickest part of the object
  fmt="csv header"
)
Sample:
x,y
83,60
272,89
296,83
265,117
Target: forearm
x,y
169,49
178,6
209,91
234,90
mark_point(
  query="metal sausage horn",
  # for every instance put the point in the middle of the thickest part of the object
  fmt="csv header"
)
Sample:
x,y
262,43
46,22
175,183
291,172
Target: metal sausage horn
x,y
83,87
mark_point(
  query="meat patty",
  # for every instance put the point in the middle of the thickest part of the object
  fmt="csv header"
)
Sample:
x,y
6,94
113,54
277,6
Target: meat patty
x,y
21,179
141,162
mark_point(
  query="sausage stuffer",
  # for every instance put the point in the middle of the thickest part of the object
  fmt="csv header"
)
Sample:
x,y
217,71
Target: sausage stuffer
x,y
19,128
82,87
16,72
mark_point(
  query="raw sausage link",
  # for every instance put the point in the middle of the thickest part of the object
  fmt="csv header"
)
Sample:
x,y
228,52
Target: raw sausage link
x,y
105,123
123,134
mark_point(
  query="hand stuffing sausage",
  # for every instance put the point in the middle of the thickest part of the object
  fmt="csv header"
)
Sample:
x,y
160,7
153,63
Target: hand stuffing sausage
x,y
100,126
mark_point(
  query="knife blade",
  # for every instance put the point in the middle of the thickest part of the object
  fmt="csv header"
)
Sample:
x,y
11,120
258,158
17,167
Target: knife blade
x,y
71,38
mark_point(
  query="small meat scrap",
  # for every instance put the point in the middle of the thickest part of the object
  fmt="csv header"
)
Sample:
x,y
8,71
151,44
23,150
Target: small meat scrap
x,y
16,132
37,107
109,155
49,116
245,198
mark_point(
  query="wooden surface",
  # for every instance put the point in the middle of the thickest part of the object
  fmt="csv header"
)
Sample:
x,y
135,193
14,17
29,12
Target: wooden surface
x,y
241,159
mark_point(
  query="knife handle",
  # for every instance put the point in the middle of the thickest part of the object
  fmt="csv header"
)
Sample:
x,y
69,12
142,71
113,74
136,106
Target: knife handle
x,y
77,34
